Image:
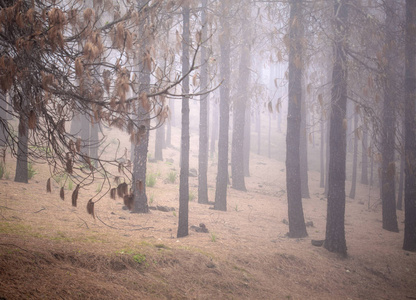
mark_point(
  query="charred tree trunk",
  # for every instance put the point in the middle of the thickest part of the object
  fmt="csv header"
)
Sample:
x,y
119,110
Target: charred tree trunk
x,y
214,128
159,142
239,116
22,149
388,166
184,173
409,243
364,156
335,223
3,120
247,140
297,228
203,112
354,158
222,175
140,146
304,151
399,204
322,156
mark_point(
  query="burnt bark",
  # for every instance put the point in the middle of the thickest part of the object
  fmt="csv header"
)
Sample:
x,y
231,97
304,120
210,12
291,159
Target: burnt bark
x,y
388,166
184,172
239,108
22,150
203,113
335,224
222,174
297,227
409,242
354,158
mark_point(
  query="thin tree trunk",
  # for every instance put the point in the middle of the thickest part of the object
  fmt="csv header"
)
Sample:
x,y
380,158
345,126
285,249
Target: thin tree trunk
x,y
297,227
22,149
222,175
203,119
239,116
184,173
388,166
335,230
364,156
322,156
354,159
247,140
304,150
214,128
400,188
159,142
409,242
141,146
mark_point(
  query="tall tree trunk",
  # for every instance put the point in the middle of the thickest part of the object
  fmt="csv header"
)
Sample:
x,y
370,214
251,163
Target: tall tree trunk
x,y
304,184
388,166
222,175
247,140
184,173
321,155
214,128
409,243
203,119
327,154
335,230
168,141
95,142
239,113
364,155
140,147
22,149
400,188
159,142
354,158
297,228
258,127
3,120
85,134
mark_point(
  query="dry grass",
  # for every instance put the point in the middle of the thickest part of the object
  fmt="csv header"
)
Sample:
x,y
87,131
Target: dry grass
x,y
48,249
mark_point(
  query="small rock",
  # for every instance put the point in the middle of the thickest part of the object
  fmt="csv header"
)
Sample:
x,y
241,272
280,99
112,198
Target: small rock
x,y
165,208
211,265
122,218
317,243
285,222
309,224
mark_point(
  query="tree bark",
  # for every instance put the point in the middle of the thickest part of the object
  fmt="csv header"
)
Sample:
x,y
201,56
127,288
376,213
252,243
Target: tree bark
x,y
304,151
222,175
239,112
364,156
409,242
184,173
322,156
335,230
22,150
247,140
203,112
159,142
388,166
354,159
141,146
297,227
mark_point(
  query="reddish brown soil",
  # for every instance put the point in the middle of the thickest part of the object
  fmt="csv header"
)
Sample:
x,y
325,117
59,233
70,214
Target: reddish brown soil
x,y
50,250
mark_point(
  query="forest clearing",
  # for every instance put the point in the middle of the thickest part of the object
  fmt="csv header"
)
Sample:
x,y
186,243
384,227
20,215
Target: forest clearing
x,y
49,249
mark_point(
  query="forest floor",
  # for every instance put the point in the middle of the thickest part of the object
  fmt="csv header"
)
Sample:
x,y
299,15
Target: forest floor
x,y
51,250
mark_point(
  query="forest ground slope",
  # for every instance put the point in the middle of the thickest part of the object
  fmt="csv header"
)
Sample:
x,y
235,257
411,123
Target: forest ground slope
x,y
51,250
